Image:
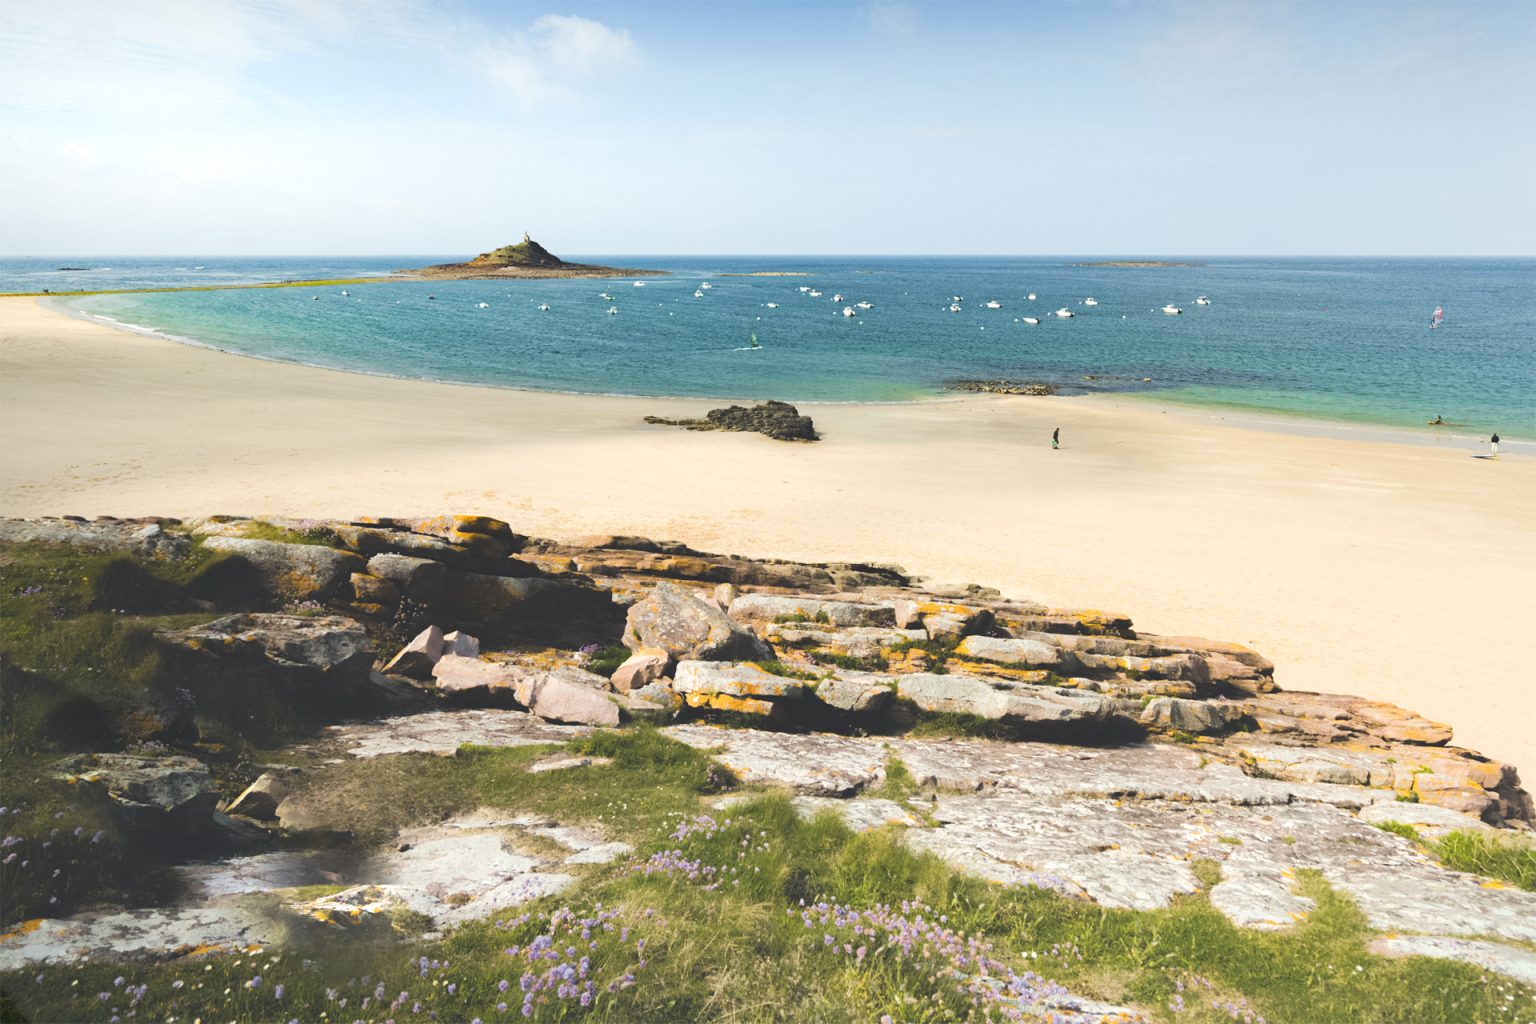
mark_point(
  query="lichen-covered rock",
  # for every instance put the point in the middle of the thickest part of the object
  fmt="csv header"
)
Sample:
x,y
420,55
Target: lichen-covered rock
x,y
736,680
146,788
130,536
1032,653
479,535
994,699
856,692
419,579
1189,667
1191,716
330,645
296,572
374,590
837,613
689,628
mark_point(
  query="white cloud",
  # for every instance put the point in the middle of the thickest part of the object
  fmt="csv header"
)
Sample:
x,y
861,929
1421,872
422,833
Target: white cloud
x,y
890,17
170,61
581,44
546,61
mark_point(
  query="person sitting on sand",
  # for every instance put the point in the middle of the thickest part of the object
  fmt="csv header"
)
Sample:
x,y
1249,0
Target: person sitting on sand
x,y
1437,421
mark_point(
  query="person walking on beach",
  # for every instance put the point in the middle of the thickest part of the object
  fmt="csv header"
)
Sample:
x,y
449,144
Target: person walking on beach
x,y
1493,445
1056,438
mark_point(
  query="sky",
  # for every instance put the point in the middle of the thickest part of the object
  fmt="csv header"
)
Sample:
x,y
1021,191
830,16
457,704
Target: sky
x,y
1107,128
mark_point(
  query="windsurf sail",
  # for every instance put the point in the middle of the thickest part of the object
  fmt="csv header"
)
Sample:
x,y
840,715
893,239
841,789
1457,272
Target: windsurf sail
x,y
1437,317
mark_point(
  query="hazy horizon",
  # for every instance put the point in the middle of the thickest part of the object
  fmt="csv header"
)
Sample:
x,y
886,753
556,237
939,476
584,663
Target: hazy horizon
x,y
320,127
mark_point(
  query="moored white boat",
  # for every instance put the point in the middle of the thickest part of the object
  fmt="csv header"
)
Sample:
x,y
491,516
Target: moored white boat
x,y
1172,310
848,311
1031,319
1090,301
1064,312
613,310
1202,301
994,304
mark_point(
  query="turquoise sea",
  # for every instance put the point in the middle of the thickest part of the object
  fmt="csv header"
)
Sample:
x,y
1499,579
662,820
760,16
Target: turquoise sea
x,y
1328,339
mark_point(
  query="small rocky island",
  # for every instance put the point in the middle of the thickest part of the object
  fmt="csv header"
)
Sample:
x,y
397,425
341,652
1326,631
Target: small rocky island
x,y
527,259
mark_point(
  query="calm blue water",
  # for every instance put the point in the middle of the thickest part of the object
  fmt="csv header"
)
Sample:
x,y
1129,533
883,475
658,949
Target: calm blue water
x,y
1333,339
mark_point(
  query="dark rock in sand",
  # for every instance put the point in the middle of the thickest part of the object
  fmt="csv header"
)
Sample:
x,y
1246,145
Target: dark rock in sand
x,y
1002,387
778,420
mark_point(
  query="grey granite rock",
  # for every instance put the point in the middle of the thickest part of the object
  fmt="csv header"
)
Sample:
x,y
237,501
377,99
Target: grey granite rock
x,y
686,626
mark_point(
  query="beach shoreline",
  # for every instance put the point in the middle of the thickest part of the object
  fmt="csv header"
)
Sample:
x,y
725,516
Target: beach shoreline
x,y
1235,416
1394,571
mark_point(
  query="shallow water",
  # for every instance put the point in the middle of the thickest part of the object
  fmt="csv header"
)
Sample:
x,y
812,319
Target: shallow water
x,y
1334,339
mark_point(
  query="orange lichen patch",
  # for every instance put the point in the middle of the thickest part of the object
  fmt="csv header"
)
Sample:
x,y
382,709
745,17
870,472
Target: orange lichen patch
x,y
726,702
1033,676
1492,883
939,608
24,928
203,949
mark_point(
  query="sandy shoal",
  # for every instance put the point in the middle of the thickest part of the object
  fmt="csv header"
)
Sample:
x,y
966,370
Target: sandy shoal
x,y
1400,572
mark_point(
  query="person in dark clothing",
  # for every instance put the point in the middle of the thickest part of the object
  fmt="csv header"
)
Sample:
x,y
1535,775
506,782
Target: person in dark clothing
x,y
1493,444
1056,438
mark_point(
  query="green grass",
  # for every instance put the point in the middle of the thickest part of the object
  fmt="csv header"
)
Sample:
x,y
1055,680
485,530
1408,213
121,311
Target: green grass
x,y
799,617
1397,828
938,651
256,529
899,783
1505,856
848,661
1508,858
606,661
732,944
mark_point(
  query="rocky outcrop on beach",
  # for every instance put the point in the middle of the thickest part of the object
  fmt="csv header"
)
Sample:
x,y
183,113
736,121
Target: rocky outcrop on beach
x,y
1050,747
778,420
1002,387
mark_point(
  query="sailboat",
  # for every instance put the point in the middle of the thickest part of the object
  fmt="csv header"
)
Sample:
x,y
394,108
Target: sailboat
x,y
1437,317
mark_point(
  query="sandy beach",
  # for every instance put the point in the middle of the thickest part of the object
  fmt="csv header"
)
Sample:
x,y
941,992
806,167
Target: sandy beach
x,y
1400,572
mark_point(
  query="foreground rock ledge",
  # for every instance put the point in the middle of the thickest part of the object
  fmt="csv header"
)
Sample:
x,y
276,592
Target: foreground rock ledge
x,y
1117,757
